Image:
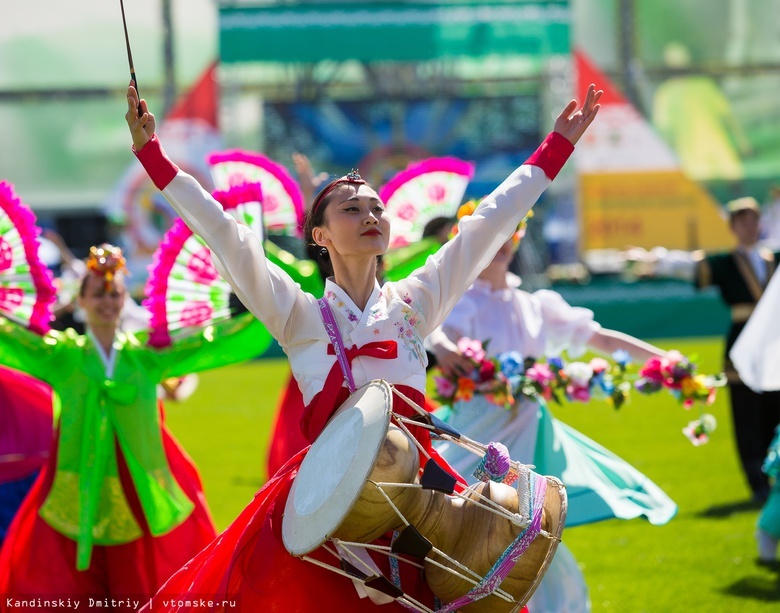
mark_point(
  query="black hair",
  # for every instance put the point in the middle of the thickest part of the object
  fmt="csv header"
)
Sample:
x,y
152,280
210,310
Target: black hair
x,y
733,216
436,225
315,217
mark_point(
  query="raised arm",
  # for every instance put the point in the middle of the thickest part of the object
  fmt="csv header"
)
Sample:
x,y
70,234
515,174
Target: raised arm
x,y
231,341
438,285
266,290
306,177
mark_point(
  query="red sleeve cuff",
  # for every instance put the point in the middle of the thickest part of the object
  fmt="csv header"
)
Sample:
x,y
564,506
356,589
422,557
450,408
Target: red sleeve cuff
x,y
551,154
156,163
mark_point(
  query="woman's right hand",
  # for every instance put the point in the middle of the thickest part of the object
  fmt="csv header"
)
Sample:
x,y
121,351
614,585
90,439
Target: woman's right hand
x,y
141,128
452,362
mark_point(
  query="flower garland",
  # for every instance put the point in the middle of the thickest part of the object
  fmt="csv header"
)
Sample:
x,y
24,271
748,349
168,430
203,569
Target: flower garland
x,y
507,376
490,377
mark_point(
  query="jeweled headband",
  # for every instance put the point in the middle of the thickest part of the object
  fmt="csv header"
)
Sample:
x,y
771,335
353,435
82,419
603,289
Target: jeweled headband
x,y
106,261
353,178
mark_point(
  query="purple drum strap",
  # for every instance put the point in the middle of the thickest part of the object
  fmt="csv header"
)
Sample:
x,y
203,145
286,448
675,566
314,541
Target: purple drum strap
x,y
510,557
332,328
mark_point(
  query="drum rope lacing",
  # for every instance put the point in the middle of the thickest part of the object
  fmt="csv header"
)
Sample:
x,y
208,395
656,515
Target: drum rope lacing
x,y
529,520
522,471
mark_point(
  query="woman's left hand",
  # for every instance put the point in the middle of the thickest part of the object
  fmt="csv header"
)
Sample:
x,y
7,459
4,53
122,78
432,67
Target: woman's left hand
x,y
571,123
141,127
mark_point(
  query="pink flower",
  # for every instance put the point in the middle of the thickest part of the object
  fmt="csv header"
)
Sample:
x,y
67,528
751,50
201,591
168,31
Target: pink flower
x,y
577,393
270,203
437,192
698,431
599,365
652,370
444,387
540,373
407,211
696,437
471,349
673,358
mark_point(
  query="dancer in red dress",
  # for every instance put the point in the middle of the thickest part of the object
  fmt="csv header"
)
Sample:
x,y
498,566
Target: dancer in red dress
x,y
118,507
384,326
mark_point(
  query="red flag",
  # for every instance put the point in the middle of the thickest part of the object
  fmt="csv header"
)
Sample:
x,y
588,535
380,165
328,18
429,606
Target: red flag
x,y
201,101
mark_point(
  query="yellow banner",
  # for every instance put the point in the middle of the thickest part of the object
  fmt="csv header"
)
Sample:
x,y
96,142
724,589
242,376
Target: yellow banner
x,y
649,209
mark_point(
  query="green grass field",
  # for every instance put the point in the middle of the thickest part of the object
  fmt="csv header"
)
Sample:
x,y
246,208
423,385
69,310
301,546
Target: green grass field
x,y
703,560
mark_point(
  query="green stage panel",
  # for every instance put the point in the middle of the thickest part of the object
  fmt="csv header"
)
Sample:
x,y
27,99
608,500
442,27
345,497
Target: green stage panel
x,y
652,308
392,31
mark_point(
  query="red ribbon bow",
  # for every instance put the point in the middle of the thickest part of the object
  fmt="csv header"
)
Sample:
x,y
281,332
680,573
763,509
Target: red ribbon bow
x,y
322,406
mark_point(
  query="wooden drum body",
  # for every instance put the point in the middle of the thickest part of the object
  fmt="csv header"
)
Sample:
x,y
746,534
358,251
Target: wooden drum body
x,y
462,529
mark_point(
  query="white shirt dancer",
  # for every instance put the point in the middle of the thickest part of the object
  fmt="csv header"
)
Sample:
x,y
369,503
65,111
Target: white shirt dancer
x,y
599,484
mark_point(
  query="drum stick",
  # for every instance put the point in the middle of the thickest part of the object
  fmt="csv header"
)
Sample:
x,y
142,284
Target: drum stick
x,y
133,80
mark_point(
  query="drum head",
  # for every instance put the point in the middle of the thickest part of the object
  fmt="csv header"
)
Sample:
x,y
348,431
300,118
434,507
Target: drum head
x,y
335,469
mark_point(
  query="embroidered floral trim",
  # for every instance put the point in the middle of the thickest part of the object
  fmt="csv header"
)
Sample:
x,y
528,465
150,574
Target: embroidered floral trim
x,y
331,295
407,331
378,311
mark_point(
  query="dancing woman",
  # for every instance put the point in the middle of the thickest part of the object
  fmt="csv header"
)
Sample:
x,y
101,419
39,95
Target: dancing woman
x,y
118,507
384,326
599,485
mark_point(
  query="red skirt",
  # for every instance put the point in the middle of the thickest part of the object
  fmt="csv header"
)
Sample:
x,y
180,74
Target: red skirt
x,y
247,567
26,434
38,561
287,438
26,424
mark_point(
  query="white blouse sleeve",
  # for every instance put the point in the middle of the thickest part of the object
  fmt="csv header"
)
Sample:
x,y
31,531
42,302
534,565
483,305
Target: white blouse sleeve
x,y
566,328
264,288
441,281
438,285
